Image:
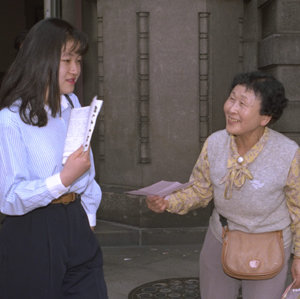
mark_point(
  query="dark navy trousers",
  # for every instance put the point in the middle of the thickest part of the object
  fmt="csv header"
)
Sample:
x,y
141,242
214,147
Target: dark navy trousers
x,y
50,253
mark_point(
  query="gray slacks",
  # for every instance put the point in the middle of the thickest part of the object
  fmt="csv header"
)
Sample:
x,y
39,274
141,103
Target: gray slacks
x,y
215,284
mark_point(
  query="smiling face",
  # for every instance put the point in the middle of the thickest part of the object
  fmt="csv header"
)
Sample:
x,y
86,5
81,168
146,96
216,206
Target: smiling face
x,y
242,113
69,68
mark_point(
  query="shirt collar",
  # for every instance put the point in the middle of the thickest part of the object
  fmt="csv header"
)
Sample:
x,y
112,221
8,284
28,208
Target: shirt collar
x,y
251,155
64,104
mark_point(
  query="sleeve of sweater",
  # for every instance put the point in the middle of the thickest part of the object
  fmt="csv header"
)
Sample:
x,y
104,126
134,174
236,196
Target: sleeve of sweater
x,y
292,191
199,194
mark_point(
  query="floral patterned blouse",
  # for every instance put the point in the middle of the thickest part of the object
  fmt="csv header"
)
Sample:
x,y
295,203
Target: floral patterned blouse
x,y
201,192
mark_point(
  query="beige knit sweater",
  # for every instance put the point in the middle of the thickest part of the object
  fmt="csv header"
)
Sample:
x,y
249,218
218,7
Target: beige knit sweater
x,y
260,204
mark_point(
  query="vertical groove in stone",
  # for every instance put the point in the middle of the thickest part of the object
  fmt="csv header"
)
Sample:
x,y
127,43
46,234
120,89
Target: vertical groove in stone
x,y
100,121
241,44
143,81
203,19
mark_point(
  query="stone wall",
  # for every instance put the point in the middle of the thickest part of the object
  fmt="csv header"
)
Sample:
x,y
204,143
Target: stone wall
x,y
163,68
279,54
164,74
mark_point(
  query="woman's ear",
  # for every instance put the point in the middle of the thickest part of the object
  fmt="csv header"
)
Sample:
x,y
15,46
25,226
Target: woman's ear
x,y
265,120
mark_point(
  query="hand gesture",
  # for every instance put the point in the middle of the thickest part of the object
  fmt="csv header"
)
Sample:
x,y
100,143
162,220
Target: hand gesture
x,y
157,203
76,165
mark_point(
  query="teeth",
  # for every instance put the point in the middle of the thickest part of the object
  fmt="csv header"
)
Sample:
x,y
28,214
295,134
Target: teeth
x,y
232,119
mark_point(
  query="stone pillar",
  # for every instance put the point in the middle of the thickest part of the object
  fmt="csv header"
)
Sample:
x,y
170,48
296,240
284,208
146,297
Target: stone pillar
x,y
90,67
279,54
71,11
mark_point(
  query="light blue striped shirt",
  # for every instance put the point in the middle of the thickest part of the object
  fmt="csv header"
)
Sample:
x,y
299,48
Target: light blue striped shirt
x,y
31,161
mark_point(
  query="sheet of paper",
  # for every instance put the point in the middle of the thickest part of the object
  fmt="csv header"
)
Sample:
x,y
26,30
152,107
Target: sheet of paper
x,y
94,110
291,293
80,128
76,129
161,188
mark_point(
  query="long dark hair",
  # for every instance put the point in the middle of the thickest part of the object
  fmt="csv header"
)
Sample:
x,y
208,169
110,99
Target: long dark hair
x,y
34,72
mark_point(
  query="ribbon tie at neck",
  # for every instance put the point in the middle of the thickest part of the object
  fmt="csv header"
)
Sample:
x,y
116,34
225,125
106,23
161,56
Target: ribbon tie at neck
x,y
237,165
235,177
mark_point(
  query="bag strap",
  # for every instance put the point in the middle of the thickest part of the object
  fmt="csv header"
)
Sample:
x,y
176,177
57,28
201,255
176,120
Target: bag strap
x,y
223,221
69,100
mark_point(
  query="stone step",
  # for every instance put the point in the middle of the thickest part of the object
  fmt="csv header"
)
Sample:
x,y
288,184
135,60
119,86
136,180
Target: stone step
x,y
117,234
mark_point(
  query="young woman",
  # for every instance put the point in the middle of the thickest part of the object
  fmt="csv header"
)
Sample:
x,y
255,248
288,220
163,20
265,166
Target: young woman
x,y
47,247
252,174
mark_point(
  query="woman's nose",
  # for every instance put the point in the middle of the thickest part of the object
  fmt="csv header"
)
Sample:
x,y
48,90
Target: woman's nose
x,y
233,107
75,68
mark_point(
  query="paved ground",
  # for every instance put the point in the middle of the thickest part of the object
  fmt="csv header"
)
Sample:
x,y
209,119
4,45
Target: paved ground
x,y
128,265
126,268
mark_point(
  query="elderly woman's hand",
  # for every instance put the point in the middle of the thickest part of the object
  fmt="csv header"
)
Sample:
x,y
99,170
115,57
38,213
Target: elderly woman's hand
x,y
157,204
296,272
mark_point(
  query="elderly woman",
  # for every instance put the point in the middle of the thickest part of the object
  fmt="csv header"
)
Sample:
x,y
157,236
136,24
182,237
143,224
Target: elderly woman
x,y
252,174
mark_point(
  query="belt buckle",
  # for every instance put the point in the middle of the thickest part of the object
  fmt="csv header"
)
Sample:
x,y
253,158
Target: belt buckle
x,y
66,202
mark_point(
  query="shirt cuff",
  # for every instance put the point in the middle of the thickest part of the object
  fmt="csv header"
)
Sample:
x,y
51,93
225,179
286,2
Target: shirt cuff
x,y
92,219
169,209
55,186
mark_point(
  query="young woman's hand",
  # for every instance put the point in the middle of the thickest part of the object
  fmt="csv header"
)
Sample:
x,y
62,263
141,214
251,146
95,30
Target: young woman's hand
x,y
76,165
157,204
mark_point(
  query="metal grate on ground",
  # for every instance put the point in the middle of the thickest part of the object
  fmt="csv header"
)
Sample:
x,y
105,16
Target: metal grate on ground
x,y
168,288
187,288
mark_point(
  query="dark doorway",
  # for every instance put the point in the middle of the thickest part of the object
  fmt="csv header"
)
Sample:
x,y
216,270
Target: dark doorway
x,y
15,17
